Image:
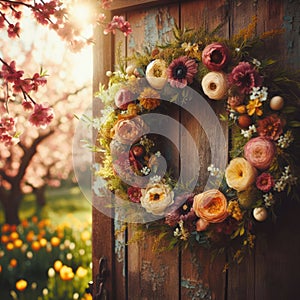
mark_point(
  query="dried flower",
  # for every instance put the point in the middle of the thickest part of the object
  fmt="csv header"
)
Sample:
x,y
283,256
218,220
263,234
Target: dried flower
x,y
134,194
156,74
215,56
181,71
270,127
149,98
214,85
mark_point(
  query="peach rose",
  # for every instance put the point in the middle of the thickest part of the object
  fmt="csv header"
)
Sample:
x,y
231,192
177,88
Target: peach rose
x,y
156,74
211,206
214,85
126,131
240,174
260,152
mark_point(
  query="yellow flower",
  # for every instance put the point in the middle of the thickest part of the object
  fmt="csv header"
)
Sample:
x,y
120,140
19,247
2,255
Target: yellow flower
x,y
57,265
21,285
13,236
35,246
18,243
85,235
43,242
254,107
55,241
10,246
149,98
188,47
81,272
66,273
240,174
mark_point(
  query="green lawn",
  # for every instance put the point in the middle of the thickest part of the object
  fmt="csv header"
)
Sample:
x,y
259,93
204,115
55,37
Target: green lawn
x,y
61,202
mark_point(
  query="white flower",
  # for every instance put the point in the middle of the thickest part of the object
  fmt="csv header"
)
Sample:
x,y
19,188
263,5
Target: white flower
x,y
155,179
214,171
268,199
156,198
256,62
248,133
51,272
181,232
286,178
145,170
259,93
285,140
156,74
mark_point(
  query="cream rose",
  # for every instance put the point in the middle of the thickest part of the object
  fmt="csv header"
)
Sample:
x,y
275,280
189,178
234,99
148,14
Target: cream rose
x,y
126,131
156,74
214,85
240,174
156,197
211,206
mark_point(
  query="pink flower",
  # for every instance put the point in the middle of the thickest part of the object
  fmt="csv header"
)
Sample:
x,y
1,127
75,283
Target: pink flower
x,y
9,72
27,105
215,56
134,194
245,77
270,127
260,152
123,97
13,30
127,131
264,182
42,115
118,22
181,71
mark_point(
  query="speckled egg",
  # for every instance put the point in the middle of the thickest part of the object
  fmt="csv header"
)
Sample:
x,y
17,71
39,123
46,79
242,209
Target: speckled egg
x,y
276,103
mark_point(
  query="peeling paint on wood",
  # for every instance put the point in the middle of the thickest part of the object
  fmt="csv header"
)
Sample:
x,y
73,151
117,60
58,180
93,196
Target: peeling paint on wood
x,y
197,290
155,278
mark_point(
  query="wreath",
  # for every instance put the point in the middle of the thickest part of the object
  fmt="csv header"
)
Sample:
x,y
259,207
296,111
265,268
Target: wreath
x,y
261,110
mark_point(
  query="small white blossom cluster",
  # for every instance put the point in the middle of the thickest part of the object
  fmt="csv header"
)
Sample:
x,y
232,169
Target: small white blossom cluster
x,y
181,232
285,140
232,115
286,179
268,199
259,93
214,171
248,133
256,62
145,170
155,179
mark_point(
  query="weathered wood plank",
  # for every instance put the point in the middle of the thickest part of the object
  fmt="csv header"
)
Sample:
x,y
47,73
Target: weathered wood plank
x,y
207,280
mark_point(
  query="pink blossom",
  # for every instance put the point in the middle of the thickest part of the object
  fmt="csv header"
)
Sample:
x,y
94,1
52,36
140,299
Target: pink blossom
x,y
27,105
245,77
123,97
9,72
13,30
41,116
118,22
264,182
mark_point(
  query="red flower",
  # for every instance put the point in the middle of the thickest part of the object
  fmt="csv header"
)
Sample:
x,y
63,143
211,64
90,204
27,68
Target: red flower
x,y
41,116
264,182
13,30
181,71
215,56
245,77
271,127
134,194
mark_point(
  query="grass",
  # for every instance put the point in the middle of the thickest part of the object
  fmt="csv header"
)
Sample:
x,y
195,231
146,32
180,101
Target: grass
x,y
61,202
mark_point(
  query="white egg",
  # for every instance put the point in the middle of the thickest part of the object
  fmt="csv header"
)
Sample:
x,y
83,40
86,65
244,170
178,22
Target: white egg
x,y
276,103
260,213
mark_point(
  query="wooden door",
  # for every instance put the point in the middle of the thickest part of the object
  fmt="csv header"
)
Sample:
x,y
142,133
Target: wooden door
x,y
134,271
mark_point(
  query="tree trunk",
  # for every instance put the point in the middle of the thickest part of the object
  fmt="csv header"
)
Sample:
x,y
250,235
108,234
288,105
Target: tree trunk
x,y
40,196
11,203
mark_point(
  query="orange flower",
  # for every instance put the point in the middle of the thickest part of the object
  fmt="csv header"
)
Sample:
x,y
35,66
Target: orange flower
x,y
5,228
25,223
4,239
57,265
0,269
10,246
66,273
149,98
18,243
13,262
211,206
21,285
35,246
55,241
254,107
30,236
34,219
13,236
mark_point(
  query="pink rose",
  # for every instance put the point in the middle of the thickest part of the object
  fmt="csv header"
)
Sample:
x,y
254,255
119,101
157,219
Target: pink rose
x,y
215,56
260,152
264,182
123,97
127,131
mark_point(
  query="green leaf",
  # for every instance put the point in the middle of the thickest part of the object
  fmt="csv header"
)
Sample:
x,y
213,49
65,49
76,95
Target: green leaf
x,y
294,123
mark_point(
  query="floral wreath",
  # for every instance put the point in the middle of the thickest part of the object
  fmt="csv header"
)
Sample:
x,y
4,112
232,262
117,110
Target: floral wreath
x,y
262,106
